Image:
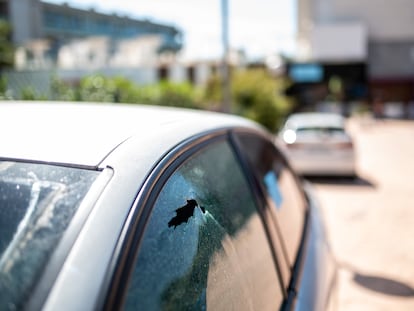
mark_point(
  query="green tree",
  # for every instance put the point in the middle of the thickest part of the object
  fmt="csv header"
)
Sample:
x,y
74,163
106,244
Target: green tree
x,y
98,88
212,93
6,46
255,95
61,91
3,86
29,93
178,95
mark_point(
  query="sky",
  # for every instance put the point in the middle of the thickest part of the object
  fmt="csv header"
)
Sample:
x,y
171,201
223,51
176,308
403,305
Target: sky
x,y
259,27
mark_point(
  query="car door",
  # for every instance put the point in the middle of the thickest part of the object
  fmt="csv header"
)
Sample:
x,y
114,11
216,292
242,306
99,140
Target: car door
x,y
195,239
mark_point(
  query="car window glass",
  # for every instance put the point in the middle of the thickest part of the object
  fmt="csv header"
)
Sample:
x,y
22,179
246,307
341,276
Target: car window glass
x,y
204,247
279,184
37,203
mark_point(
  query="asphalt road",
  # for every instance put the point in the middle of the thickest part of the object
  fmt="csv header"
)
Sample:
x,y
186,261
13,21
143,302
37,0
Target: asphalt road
x,y
370,220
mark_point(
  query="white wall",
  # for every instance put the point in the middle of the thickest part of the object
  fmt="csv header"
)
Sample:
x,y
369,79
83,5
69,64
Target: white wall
x,y
384,19
339,42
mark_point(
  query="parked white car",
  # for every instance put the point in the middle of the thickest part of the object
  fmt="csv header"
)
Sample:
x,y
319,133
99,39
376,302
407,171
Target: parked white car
x,y
113,207
319,144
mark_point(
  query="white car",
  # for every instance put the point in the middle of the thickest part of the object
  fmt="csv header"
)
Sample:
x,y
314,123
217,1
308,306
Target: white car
x,y
113,207
318,144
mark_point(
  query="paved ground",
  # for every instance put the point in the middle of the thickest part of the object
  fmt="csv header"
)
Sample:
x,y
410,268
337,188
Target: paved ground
x,y
370,220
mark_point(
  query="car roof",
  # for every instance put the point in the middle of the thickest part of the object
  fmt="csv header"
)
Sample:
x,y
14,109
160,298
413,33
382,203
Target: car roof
x,y
315,119
84,134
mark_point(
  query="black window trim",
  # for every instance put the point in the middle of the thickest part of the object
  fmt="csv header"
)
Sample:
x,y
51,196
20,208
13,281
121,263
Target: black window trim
x,y
297,269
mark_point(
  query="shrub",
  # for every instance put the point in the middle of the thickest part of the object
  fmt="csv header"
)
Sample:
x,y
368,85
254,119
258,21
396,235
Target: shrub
x,y
255,95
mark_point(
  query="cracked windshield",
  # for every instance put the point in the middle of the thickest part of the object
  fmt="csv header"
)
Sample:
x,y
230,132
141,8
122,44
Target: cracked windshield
x,y
37,203
332,81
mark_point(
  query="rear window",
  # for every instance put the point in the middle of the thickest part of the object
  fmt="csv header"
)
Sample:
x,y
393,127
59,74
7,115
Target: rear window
x,y
37,203
320,129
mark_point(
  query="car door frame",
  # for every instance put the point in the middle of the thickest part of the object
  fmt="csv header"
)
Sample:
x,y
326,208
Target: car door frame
x,y
128,244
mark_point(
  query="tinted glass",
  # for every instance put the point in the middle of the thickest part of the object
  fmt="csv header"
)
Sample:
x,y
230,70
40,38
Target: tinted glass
x,y
326,130
37,203
205,247
285,198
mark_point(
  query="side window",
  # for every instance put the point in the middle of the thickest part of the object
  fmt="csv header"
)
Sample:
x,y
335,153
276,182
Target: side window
x,y
286,200
205,247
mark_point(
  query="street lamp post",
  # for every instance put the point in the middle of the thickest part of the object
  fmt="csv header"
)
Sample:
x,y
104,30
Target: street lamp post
x,y
225,70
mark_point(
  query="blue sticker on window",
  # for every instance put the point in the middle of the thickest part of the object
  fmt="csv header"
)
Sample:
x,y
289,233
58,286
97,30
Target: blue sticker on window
x,y
272,186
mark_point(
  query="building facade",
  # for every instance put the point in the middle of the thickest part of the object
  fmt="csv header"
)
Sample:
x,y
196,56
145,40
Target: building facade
x,y
42,29
379,34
